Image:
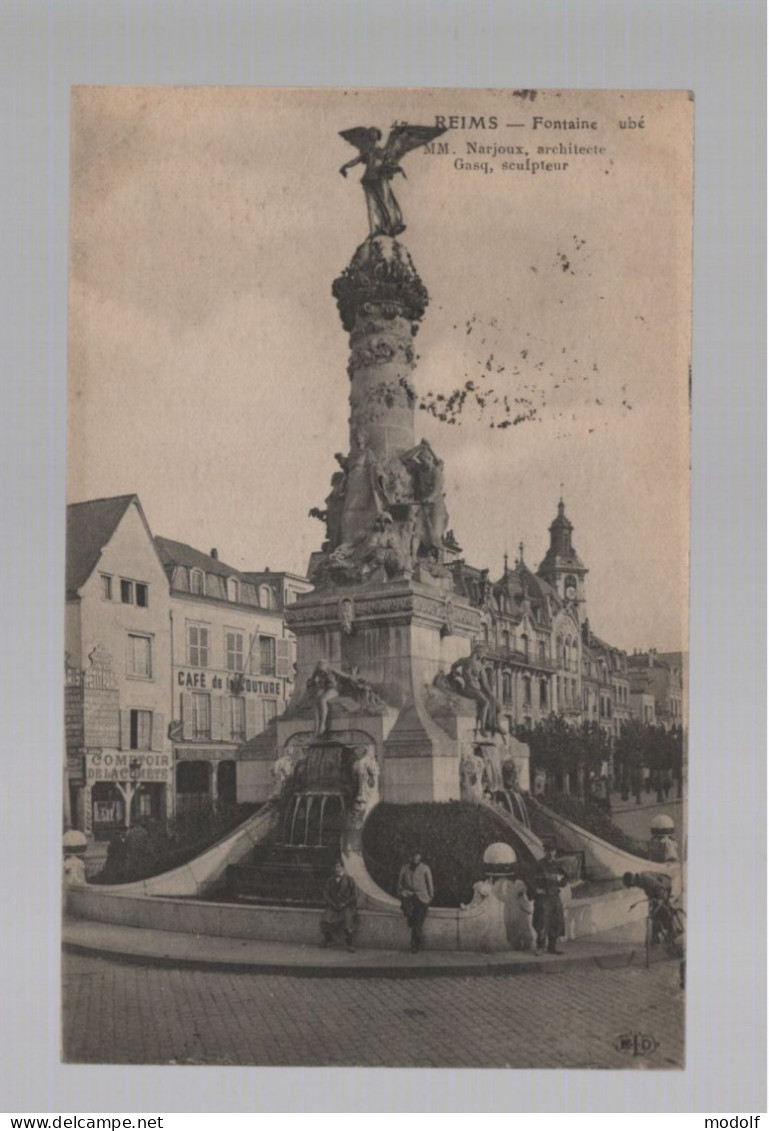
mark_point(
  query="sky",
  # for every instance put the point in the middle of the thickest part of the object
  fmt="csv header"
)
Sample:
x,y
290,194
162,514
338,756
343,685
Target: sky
x,y
207,362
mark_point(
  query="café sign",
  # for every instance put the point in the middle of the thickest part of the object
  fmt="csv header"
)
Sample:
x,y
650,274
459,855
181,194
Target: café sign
x,y
210,681
128,765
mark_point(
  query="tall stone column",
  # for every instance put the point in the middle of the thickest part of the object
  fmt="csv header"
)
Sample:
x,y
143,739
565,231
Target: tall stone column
x,y
386,510
383,624
381,637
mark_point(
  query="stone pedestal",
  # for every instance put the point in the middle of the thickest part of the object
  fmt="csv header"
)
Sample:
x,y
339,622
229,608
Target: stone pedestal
x,y
396,637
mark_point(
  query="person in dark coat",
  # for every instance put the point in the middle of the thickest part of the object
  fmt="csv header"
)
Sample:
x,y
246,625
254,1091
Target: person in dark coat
x,y
341,898
548,919
117,858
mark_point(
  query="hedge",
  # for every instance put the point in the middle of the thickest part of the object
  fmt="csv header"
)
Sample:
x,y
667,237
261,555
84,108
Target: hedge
x,y
588,816
155,847
451,836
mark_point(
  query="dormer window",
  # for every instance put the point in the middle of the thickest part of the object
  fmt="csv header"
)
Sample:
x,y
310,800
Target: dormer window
x,y
197,582
267,598
232,589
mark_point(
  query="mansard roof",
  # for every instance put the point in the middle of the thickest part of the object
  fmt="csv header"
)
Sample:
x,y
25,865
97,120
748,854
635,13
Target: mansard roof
x,y
522,582
180,554
179,558
597,649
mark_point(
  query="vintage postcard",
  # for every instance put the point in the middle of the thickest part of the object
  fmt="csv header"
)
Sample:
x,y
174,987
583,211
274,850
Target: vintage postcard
x,y
377,577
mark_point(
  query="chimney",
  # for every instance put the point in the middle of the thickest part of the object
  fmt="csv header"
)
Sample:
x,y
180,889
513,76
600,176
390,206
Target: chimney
x,y
215,554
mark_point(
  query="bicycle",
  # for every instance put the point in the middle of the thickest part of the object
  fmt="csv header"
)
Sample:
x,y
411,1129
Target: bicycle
x,y
665,923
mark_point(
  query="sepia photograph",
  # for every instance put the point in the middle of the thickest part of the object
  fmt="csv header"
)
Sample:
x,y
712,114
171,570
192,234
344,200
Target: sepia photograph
x,y
377,577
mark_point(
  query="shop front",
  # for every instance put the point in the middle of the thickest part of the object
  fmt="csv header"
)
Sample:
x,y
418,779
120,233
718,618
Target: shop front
x,y
123,788
205,779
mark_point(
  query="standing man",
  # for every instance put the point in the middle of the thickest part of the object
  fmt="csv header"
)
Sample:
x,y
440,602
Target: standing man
x,y
341,898
415,891
548,920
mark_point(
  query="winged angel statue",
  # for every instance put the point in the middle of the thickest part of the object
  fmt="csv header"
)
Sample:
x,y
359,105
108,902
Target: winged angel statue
x,y
384,215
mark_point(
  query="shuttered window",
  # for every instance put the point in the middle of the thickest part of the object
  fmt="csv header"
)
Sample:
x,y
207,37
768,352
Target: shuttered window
x,y
139,657
233,650
253,717
283,664
197,646
201,715
270,708
238,718
141,730
267,655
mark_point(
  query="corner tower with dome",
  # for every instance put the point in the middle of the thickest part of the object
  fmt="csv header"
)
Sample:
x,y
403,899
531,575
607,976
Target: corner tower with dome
x,y
561,566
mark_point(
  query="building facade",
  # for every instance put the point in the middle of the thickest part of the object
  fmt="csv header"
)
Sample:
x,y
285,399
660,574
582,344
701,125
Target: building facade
x,y
658,686
533,626
173,660
118,657
606,695
231,668
176,659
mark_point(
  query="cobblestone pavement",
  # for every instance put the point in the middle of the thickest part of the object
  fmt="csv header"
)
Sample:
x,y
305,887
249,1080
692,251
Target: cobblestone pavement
x,y
118,1013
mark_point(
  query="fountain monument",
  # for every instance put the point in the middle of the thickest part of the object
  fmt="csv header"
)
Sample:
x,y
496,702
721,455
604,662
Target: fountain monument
x,y
390,685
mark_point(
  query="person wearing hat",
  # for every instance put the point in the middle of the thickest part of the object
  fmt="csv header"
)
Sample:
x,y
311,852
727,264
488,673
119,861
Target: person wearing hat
x,y
548,920
341,898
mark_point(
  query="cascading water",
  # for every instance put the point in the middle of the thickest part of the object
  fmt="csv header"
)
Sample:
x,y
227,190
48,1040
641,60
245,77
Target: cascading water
x,y
313,819
294,869
514,803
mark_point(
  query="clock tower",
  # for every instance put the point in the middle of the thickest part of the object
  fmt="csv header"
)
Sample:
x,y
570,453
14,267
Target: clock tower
x,y
561,566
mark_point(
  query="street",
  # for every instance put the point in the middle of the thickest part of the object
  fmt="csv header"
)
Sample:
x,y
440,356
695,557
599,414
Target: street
x,y
635,820
586,1017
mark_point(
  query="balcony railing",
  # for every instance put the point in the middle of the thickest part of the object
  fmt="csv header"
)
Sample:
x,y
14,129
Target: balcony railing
x,y
515,656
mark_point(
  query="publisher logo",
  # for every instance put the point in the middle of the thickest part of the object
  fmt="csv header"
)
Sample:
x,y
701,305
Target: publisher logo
x,y
636,1044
